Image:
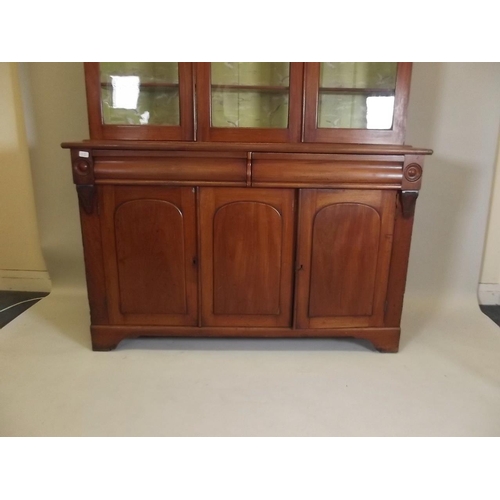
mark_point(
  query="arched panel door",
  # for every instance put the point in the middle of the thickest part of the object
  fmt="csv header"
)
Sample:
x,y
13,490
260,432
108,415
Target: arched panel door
x,y
247,256
345,241
149,237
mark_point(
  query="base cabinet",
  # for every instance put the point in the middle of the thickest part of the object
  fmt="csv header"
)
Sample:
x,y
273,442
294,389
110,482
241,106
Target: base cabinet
x,y
245,261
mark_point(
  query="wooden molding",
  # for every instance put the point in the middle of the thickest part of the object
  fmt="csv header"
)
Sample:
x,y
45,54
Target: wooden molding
x,y
106,338
116,148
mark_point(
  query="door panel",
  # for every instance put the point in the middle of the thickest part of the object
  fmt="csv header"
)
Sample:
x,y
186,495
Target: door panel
x,y
337,228
148,255
247,256
249,101
356,102
243,283
345,240
149,236
140,100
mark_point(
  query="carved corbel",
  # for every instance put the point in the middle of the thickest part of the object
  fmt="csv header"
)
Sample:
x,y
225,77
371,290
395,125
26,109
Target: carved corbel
x,y
87,197
83,176
408,202
410,186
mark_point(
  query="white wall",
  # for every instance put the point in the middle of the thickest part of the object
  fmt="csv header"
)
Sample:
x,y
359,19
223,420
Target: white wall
x,y
454,109
21,263
489,287
55,108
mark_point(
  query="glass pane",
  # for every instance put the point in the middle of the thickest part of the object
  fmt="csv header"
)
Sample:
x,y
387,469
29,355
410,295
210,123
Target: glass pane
x,y
249,94
356,95
140,93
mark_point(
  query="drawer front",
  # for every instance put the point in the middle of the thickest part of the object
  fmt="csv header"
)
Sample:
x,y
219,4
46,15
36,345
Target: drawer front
x,y
327,171
229,169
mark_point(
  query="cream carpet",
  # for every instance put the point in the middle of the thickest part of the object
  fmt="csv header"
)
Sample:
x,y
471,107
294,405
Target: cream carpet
x,y
445,381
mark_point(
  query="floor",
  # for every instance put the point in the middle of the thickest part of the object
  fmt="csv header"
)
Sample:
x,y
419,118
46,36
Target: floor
x,y
13,303
445,381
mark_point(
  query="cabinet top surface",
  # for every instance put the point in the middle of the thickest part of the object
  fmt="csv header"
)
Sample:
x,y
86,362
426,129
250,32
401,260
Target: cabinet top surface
x,y
249,147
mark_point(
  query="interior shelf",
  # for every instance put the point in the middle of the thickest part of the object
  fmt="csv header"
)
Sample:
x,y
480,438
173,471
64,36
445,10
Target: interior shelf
x,y
357,91
251,88
148,85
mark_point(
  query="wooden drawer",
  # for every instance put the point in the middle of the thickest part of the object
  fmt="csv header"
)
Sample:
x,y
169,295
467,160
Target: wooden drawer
x,y
175,168
324,170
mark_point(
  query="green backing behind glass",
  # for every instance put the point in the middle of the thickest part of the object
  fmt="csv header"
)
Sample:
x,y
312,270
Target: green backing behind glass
x,y
253,108
344,110
159,93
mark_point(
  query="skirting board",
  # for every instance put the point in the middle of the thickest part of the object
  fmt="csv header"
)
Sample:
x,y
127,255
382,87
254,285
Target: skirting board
x,y
489,294
24,281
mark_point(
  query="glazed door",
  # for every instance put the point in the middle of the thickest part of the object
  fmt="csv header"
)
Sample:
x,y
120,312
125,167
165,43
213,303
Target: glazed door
x,y
149,247
249,101
360,102
246,256
344,250
140,100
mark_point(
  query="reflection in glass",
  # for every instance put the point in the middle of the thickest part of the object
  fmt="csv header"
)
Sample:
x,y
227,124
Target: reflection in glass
x,y
125,91
250,94
140,93
379,112
357,95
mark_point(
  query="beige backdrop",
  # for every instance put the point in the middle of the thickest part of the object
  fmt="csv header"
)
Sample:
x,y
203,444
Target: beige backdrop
x,y
21,263
55,109
454,109
489,287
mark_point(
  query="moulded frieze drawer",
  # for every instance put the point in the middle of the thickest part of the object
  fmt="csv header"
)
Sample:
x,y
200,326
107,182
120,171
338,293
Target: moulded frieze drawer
x,y
323,170
191,170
